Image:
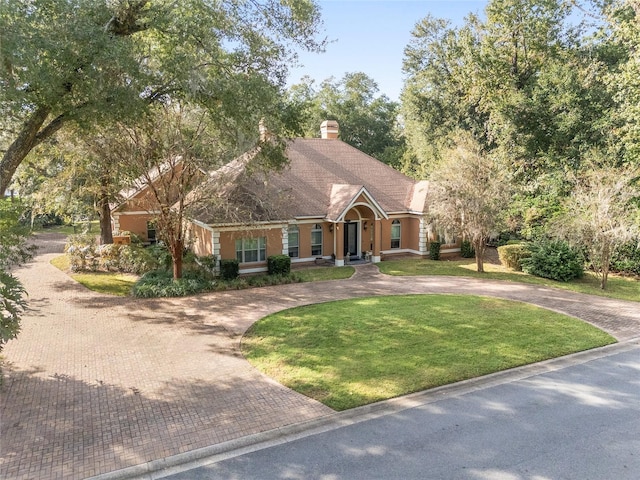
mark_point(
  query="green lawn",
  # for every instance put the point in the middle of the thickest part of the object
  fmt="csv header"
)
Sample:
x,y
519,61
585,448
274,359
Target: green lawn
x,y
354,352
93,227
316,274
110,283
617,287
119,284
61,262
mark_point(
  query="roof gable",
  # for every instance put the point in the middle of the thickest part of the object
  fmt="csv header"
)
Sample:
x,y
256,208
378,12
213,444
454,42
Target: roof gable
x,y
344,197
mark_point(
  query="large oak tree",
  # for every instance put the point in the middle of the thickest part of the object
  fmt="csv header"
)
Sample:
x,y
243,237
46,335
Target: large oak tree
x,y
528,82
86,61
368,119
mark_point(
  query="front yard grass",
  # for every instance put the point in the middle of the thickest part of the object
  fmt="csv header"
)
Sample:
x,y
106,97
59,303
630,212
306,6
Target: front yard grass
x,y
317,274
354,352
119,284
622,288
91,226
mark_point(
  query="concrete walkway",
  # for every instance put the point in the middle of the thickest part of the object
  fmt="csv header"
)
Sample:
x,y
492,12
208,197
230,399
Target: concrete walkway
x,y
96,383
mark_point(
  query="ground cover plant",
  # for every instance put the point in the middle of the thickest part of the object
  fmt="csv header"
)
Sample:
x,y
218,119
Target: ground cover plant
x,y
354,352
623,288
157,284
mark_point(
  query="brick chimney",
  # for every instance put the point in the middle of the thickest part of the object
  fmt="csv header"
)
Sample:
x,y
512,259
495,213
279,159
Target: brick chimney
x,y
329,129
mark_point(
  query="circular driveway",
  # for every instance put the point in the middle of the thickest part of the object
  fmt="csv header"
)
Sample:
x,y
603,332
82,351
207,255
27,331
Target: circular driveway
x,y
96,383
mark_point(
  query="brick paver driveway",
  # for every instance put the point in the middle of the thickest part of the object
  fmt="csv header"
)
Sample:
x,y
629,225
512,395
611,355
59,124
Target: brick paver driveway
x,y
97,383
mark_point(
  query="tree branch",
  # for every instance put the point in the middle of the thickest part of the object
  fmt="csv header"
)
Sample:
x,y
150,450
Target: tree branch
x,y
50,129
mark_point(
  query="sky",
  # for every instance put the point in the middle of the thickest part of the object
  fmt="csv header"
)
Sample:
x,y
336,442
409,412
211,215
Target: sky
x,y
370,36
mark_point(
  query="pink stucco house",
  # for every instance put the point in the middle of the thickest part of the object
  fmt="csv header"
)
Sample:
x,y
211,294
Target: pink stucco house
x,y
331,202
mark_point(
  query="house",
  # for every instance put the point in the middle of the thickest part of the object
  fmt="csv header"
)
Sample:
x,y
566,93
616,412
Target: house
x,y
139,205
331,202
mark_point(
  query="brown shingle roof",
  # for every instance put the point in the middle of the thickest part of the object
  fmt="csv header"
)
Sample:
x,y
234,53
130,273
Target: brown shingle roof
x,y
316,164
320,168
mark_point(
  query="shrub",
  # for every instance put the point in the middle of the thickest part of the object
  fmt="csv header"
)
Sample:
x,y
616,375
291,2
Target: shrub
x,y
160,283
627,259
511,255
207,266
467,250
279,264
554,260
161,256
503,238
82,251
434,250
229,269
110,256
138,260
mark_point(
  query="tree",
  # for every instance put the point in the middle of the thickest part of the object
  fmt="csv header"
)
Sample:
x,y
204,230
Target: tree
x,y
438,96
528,82
68,177
163,154
169,154
602,214
85,62
519,81
368,121
13,251
622,31
469,194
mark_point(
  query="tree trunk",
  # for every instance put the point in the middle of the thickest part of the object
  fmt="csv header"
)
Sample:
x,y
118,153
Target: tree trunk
x,y
106,233
606,262
176,255
21,147
479,247
29,137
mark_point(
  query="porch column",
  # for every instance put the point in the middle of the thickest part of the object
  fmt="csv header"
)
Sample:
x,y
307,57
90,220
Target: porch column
x,y
285,240
215,247
423,237
377,241
338,234
116,222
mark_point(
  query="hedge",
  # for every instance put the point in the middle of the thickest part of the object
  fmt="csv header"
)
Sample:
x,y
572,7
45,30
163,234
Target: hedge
x,y
467,250
434,250
554,260
229,269
279,265
511,255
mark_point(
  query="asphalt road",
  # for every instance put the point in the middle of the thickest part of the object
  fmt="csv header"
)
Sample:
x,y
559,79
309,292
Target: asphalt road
x,y
578,422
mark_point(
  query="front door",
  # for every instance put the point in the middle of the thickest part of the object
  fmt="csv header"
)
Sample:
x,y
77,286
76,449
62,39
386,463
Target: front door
x,y
351,238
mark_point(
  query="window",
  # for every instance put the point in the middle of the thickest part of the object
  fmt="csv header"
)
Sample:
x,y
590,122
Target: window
x,y
251,249
151,231
395,234
446,238
294,241
316,240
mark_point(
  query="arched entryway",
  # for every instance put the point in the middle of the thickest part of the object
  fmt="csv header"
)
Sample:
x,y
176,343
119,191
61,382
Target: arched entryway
x,y
356,234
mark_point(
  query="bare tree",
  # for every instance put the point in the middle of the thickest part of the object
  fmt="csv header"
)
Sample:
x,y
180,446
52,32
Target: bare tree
x,y
175,150
166,154
602,214
469,194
